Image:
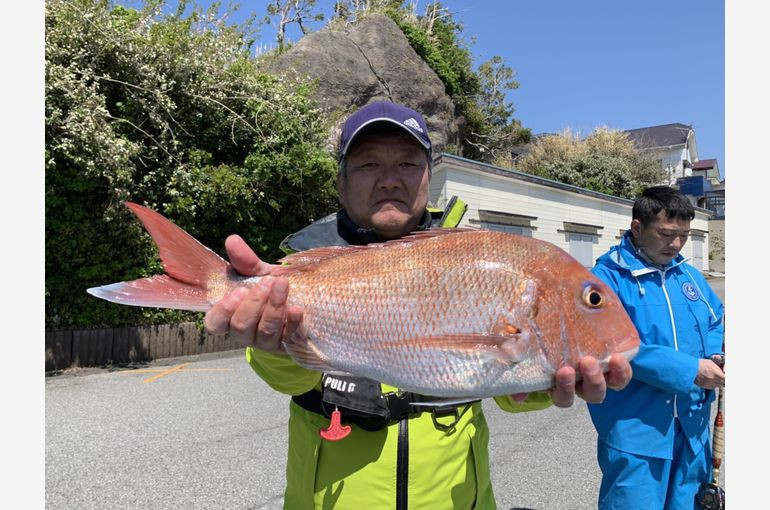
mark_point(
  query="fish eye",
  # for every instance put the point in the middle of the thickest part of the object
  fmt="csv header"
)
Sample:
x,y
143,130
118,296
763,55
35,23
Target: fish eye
x,y
592,297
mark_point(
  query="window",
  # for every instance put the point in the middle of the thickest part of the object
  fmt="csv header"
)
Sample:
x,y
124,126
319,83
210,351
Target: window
x,y
505,222
581,247
511,229
581,238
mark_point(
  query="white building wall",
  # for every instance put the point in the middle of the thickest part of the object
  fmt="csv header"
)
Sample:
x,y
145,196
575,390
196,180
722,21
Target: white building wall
x,y
551,206
671,161
437,195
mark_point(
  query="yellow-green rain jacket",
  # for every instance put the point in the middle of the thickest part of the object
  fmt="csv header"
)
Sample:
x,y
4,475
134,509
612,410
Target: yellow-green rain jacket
x,y
414,463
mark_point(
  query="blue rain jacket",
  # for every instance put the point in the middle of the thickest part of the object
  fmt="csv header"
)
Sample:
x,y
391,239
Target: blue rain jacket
x,y
679,319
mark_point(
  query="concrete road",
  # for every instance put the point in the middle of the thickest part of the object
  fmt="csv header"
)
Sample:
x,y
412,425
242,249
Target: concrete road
x,y
205,432
718,284
208,433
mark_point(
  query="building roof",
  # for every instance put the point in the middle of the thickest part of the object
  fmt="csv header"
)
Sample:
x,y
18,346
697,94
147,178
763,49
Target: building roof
x,y
664,135
522,176
534,179
704,164
461,162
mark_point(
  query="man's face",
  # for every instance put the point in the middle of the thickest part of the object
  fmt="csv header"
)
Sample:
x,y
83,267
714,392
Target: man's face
x,y
387,184
662,239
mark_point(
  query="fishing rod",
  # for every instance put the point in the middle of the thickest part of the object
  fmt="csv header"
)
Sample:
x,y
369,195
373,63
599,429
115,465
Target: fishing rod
x,y
710,495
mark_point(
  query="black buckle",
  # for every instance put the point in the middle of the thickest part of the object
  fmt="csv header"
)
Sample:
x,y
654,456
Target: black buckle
x,y
440,412
400,405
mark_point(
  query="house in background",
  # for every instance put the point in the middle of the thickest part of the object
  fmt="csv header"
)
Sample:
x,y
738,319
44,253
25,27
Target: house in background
x,y
708,169
714,198
704,188
671,144
675,147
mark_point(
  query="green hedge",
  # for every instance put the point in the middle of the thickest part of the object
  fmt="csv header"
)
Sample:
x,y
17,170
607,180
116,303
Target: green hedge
x,y
168,111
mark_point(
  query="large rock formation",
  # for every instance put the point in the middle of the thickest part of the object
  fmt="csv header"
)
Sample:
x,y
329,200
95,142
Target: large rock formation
x,y
371,60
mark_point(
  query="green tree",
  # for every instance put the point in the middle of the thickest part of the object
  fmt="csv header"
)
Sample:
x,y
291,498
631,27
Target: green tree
x,y
479,97
169,111
604,161
500,130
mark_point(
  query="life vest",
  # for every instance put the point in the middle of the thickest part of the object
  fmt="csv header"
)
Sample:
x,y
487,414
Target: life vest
x,y
434,458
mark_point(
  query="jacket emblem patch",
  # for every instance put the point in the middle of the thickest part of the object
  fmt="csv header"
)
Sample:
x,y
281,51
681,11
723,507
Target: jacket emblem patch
x,y
690,291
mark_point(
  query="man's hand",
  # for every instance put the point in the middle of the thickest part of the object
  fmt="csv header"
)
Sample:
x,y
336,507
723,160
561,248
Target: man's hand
x,y
593,386
256,317
709,375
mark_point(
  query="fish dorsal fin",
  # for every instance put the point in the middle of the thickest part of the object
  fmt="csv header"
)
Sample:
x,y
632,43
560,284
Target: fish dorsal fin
x,y
433,232
183,257
301,259
314,255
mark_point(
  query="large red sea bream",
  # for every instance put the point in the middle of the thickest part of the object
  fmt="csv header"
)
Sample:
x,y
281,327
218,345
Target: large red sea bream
x,y
449,313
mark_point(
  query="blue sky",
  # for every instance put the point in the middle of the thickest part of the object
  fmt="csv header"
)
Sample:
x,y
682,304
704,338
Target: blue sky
x,y
582,65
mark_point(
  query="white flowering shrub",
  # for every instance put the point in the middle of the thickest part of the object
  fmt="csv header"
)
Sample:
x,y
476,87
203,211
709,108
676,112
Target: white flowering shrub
x,y
172,112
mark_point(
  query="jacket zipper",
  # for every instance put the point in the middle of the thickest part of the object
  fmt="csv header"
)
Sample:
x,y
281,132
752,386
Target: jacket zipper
x,y
402,466
673,326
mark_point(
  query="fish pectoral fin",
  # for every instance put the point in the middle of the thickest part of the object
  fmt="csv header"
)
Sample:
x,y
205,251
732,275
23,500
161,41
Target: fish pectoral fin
x,y
306,354
499,347
516,344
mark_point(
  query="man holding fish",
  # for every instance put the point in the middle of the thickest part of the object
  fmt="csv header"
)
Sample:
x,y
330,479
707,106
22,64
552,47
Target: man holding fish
x,y
384,448
653,436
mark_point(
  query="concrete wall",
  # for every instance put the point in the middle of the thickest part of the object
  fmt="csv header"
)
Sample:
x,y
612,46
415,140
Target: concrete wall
x,y
717,251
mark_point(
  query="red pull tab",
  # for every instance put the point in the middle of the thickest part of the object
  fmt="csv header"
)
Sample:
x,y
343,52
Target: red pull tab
x,y
336,430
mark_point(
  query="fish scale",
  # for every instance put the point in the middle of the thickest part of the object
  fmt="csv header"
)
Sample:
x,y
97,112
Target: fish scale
x,y
395,300
446,312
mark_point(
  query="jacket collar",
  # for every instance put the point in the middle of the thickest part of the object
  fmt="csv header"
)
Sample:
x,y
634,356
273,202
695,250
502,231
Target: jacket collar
x,y
628,257
337,229
355,234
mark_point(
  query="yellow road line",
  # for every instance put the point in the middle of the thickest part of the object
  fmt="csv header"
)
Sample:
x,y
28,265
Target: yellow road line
x,y
157,370
170,370
206,369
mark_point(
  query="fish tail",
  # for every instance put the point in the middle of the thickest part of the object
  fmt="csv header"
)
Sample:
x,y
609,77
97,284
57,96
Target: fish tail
x,y
158,292
194,273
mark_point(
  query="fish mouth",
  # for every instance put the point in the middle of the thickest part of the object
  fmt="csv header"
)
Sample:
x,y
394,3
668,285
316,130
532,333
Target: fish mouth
x,y
630,353
629,347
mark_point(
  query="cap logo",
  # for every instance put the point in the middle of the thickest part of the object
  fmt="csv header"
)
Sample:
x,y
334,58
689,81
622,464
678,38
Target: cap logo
x,y
413,124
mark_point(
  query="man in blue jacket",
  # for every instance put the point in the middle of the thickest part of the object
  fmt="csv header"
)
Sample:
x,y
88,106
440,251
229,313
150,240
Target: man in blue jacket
x,y
653,436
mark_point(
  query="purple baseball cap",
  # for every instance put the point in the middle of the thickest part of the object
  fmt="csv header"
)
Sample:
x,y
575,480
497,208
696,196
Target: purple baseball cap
x,y
384,111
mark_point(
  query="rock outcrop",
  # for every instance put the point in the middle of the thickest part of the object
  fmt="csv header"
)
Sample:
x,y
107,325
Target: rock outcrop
x,y
371,60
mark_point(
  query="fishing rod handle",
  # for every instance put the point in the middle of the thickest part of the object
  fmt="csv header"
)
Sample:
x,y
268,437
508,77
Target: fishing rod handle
x,y
719,433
